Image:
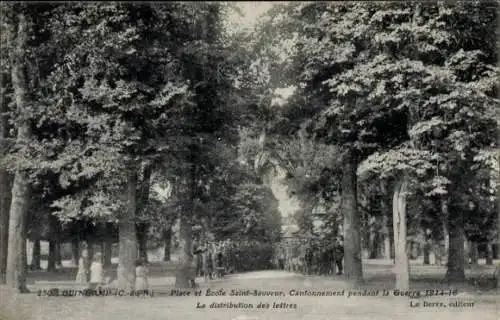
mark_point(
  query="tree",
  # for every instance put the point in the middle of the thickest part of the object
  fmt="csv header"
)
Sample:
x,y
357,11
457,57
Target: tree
x,y
432,90
5,178
336,37
144,110
19,31
379,75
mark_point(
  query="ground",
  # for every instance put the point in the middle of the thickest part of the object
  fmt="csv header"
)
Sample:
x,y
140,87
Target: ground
x,y
165,307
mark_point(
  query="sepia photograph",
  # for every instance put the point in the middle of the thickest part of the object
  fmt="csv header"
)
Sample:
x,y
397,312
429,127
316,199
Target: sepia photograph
x,y
249,160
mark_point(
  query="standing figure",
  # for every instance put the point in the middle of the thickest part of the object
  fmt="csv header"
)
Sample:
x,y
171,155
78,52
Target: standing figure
x,y
210,262
339,254
96,272
82,276
141,275
219,267
309,260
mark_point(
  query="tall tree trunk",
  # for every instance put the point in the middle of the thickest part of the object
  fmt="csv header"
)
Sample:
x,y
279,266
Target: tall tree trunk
x,y
204,263
58,254
387,246
474,253
489,253
167,238
16,271
372,239
142,241
75,251
497,269
466,252
445,255
5,177
90,251
35,255
215,251
387,236
25,254
142,201
184,275
107,252
427,247
427,254
53,243
128,237
455,266
401,268
352,234
5,195
51,263
5,198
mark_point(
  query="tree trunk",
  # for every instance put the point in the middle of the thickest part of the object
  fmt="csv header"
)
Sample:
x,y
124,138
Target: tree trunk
x,y
427,254
58,254
25,254
444,255
387,246
387,237
142,201
5,180
352,236
128,237
427,246
455,266
489,253
35,255
5,198
167,237
466,252
107,252
474,253
51,263
5,186
75,251
53,243
142,241
401,268
16,271
385,231
372,239
204,264
90,251
184,276
497,269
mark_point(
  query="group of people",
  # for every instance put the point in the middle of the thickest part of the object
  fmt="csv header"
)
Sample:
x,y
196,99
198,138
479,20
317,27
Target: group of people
x,y
209,258
214,259
311,257
94,276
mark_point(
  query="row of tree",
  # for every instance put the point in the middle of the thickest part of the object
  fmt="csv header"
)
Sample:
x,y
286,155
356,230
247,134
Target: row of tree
x,y
405,98
388,99
99,101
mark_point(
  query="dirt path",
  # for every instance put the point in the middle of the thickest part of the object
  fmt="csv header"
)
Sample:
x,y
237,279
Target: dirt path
x,y
270,288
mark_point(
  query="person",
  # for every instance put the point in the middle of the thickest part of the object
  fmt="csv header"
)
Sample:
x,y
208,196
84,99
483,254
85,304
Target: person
x,y
339,254
141,275
210,262
219,267
96,272
309,260
82,273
